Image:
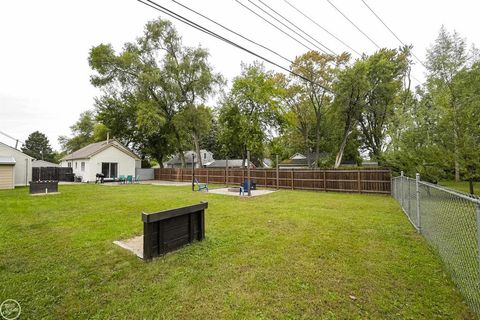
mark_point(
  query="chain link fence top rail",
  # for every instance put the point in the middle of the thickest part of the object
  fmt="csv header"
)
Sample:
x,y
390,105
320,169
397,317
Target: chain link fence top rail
x,y
450,221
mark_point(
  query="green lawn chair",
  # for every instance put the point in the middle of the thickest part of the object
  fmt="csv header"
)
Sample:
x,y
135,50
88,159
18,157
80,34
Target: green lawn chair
x,y
122,179
129,179
201,186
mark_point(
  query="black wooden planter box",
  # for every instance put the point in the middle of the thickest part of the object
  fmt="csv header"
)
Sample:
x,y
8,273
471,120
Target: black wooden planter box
x,y
168,230
43,186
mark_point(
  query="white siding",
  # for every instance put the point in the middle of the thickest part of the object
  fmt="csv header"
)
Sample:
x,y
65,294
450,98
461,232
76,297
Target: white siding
x,y
126,163
23,165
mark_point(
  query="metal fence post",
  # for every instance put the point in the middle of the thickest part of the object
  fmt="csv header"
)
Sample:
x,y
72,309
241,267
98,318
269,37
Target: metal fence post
x,y
417,190
408,198
478,231
402,193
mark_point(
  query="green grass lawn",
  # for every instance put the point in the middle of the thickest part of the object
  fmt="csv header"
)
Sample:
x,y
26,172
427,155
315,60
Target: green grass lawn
x,y
462,186
288,255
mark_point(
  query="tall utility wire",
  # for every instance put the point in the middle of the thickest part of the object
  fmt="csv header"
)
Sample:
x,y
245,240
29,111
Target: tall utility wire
x,y
284,32
10,137
176,16
293,24
324,29
353,23
233,32
391,31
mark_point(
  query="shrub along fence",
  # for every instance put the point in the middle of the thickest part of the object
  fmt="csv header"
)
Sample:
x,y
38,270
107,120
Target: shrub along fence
x,y
52,173
355,180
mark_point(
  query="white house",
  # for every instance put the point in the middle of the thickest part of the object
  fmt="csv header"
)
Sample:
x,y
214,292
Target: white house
x,y
175,161
15,167
109,157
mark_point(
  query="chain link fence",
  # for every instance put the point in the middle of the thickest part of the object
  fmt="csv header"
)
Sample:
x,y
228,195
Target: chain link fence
x,y
450,221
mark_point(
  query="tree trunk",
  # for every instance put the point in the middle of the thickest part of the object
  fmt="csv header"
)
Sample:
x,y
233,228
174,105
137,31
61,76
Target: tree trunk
x,y
197,150
244,157
317,139
338,159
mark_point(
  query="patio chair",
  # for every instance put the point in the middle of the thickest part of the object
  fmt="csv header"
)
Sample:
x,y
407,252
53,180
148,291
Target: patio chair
x,y
201,186
129,179
246,185
137,179
122,179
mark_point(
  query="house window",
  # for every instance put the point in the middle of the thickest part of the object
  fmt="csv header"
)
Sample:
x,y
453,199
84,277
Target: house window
x,y
110,169
76,165
69,164
82,165
205,155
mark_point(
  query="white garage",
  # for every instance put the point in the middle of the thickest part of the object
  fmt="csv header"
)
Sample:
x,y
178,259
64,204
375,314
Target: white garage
x,y
7,173
22,167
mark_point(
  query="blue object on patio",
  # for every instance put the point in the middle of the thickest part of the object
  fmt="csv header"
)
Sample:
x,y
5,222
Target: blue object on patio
x,y
137,179
246,185
122,179
201,186
129,179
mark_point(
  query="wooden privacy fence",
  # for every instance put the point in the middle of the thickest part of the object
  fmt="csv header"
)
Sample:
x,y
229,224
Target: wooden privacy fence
x,y
361,181
52,173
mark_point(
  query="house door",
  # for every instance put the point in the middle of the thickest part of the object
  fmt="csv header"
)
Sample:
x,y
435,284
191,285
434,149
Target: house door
x,y
110,169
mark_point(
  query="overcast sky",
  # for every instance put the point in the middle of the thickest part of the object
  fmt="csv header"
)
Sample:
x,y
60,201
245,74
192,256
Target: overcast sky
x,y
44,73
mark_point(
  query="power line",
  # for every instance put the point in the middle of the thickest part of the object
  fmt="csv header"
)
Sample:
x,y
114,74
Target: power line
x,y
391,31
318,25
360,30
9,136
293,24
232,31
192,24
278,28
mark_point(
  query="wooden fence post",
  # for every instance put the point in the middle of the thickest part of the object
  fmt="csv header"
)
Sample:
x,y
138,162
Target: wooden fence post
x,y
207,175
291,178
324,181
277,174
226,173
359,182
265,176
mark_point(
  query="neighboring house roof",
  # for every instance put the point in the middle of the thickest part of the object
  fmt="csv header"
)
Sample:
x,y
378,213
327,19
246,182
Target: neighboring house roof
x,y
188,157
43,163
13,149
7,160
300,160
267,163
232,163
94,148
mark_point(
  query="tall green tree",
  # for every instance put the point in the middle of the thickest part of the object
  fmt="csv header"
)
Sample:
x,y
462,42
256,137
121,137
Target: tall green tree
x,y
445,59
84,132
195,122
38,146
385,72
249,113
158,77
319,72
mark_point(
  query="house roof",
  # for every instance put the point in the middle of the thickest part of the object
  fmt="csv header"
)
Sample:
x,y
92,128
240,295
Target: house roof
x,y
43,163
16,150
188,157
7,160
232,163
97,147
